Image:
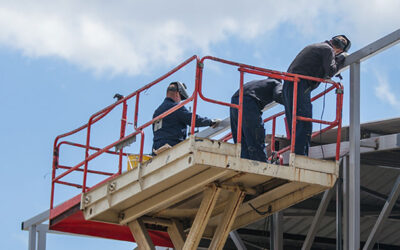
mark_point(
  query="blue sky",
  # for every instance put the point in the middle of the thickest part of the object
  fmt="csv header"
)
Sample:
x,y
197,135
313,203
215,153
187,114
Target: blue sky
x,y
61,61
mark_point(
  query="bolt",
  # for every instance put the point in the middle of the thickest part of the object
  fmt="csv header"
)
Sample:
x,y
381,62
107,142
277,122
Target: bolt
x,y
87,199
112,186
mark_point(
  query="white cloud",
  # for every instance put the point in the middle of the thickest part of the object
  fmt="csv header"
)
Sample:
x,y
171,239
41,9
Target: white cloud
x,y
384,92
129,36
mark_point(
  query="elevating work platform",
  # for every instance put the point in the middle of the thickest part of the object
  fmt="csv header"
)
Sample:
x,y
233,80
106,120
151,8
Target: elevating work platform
x,y
199,188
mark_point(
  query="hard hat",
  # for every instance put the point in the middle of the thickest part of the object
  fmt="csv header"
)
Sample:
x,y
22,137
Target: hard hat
x,y
181,89
339,43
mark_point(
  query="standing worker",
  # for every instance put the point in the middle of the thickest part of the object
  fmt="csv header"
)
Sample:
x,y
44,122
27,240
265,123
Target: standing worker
x,y
321,60
256,95
172,129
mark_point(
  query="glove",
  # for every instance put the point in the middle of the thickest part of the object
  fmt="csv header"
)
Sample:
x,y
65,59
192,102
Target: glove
x,y
340,59
215,123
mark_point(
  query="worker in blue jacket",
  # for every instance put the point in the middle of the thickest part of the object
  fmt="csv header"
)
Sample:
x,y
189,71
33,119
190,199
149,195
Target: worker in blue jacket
x,y
320,60
172,128
256,95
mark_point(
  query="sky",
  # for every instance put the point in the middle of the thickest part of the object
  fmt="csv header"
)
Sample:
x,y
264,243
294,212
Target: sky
x,y
62,61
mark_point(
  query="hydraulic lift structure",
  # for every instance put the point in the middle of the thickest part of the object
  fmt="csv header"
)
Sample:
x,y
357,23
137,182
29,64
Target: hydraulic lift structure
x,y
201,188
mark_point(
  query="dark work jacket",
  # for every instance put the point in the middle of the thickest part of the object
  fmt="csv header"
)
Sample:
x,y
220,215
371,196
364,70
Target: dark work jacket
x,y
264,91
173,126
317,60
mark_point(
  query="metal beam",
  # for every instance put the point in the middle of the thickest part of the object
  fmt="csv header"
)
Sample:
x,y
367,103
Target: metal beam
x,y
377,195
345,188
203,215
210,132
227,219
42,231
354,158
36,220
176,233
339,208
32,237
317,219
373,48
387,208
237,240
141,235
385,143
277,231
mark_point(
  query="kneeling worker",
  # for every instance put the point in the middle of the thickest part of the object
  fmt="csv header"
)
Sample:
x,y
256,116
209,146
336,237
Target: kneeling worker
x,y
256,95
172,128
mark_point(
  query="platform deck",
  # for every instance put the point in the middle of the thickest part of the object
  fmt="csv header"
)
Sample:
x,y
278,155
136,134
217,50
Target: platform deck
x,y
171,186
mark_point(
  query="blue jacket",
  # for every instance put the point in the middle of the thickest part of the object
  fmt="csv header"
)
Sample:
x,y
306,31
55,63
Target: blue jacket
x,y
263,91
172,128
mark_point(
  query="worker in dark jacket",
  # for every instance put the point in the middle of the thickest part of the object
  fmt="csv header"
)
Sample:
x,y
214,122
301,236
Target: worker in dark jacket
x,y
172,128
320,60
256,95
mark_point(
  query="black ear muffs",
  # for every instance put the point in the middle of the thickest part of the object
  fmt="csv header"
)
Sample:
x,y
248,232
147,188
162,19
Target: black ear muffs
x,y
338,43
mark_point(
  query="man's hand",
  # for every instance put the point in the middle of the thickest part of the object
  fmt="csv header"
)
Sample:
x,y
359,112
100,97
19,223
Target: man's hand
x,y
340,59
215,123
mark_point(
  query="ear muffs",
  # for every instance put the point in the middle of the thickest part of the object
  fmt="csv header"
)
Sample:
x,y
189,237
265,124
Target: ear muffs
x,y
337,42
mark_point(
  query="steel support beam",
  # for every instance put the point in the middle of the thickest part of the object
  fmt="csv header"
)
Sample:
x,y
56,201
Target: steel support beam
x,y
346,212
317,218
227,219
203,215
141,235
237,240
387,208
354,158
42,231
32,237
373,48
36,220
339,207
277,231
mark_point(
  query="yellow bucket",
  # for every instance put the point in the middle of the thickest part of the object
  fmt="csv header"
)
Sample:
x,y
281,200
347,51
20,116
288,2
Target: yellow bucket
x,y
133,161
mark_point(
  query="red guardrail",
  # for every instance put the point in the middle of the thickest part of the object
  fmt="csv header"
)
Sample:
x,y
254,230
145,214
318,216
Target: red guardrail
x,y
242,68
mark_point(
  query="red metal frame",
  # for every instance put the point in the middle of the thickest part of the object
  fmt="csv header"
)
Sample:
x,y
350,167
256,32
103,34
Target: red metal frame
x,y
242,68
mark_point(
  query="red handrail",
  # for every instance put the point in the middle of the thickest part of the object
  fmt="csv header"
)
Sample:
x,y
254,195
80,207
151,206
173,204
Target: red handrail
x,y
242,68
98,116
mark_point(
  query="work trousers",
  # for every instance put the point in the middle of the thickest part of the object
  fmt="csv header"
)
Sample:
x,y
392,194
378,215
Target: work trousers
x,y
304,108
253,132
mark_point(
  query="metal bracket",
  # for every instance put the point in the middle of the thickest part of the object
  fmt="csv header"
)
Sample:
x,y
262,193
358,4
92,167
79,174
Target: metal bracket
x,y
339,91
128,141
370,144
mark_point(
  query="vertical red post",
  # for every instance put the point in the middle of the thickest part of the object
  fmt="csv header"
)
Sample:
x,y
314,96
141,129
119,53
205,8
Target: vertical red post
x,y
273,135
141,146
136,110
197,86
122,134
294,115
53,174
240,111
86,154
339,101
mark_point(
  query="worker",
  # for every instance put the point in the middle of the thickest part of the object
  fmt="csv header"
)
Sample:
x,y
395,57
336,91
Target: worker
x,y
256,95
172,129
321,60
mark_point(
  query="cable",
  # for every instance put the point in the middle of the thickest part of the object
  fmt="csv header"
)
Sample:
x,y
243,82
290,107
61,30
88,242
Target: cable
x,y
258,211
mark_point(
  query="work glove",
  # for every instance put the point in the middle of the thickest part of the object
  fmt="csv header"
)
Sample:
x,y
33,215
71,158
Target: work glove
x,y
215,123
340,59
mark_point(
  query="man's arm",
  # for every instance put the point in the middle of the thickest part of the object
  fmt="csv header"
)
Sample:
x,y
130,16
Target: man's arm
x,y
186,117
329,62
